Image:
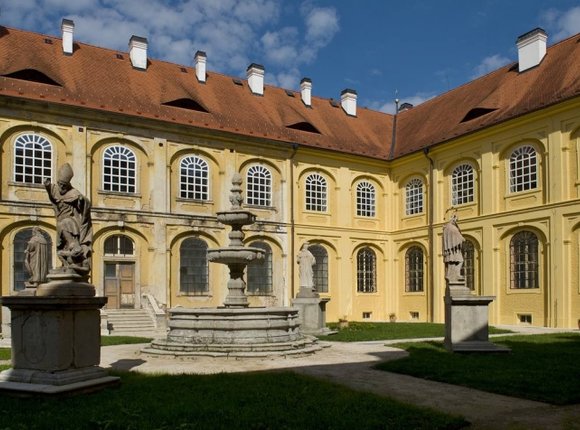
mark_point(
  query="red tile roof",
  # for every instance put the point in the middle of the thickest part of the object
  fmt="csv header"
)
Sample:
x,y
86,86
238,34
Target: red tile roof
x,y
95,78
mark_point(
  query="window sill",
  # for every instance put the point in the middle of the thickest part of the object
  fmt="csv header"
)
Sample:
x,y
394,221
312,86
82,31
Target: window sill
x,y
25,185
414,293
194,201
413,216
513,194
201,295
263,208
524,290
119,194
259,294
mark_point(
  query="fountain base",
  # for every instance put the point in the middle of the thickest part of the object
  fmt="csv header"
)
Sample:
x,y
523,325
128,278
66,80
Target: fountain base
x,y
237,332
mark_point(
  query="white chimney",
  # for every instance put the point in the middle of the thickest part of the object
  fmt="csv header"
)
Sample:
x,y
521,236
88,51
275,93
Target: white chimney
x,y
138,52
348,101
255,74
200,61
306,91
531,48
67,26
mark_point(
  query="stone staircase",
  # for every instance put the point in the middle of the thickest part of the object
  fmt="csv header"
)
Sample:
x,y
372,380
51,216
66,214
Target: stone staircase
x,y
130,321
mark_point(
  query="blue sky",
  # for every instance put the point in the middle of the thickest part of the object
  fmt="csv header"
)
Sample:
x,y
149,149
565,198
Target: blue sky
x,y
413,50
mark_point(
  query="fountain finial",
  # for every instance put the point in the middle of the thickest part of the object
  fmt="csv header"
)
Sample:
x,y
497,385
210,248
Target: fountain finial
x,y
236,198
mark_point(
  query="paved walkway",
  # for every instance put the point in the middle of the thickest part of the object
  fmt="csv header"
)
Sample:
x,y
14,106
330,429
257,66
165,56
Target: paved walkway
x,y
351,364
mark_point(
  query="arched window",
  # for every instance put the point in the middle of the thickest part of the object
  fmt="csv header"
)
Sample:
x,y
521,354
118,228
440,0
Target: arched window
x,y
32,159
365,199
523,169
524,267
259,280
119,169
315,193
462,185
366,269
20,272
193,267
414,270
259,186
194,178
320,269
119,245
469,264
414,197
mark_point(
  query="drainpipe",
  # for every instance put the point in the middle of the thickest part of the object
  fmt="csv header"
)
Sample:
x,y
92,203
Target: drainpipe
x,y
430,265
292,221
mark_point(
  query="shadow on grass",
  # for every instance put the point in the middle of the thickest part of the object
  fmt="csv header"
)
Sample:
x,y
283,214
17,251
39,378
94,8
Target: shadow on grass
x,y
267,400
545,368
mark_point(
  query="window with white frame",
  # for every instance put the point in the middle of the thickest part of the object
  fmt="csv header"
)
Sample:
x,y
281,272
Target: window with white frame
x,y
32,159
366,270
119,245
320,269
193,267
316,190
194,178
524,266
523,169
119,170
414,270
462,185
365,199
259,273
414,197
259,186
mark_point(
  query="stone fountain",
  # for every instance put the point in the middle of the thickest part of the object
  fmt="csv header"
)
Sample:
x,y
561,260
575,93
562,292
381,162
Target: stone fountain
x,y
235,329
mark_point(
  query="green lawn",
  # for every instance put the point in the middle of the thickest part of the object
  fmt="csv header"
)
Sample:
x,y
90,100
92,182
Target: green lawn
x,y
540,367
123,340
280,400
360,331
5,354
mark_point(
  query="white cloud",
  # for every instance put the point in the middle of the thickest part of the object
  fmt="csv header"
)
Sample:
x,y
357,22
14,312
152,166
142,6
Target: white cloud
x,y
489,64
562,24
321,26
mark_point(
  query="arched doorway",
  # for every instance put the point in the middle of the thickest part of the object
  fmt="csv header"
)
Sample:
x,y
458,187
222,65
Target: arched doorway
x,y
119,272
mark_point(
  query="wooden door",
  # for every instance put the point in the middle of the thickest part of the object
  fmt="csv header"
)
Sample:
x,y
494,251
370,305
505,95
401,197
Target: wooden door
x,y
120,285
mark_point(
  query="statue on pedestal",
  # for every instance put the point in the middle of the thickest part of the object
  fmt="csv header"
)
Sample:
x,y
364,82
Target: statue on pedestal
x,y
36,258
452,250
74,231
306,261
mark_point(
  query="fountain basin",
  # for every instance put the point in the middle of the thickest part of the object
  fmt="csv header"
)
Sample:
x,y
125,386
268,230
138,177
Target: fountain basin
x,y
236,217
241,332
235,255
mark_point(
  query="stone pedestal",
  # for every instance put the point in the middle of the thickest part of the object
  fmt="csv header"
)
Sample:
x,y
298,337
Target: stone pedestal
x,y
466,321
56,341
311,314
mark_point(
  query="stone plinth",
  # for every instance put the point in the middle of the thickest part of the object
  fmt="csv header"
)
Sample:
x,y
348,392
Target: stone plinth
x,y
311,314
233,332
55,344
466,323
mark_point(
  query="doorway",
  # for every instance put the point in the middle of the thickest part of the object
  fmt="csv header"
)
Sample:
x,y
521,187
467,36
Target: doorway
x,y
120,285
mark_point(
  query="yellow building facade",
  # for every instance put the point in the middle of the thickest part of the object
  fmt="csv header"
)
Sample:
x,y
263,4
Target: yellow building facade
x,y
374,222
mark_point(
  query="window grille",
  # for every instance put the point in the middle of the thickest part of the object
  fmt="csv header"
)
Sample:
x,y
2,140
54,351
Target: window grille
x,y
259,186
259,278
365,199
119,170
523,169
469,262
32,159
320,268
315,193
524,260
193,267
462,185
414,270
366,268
414,197
194,178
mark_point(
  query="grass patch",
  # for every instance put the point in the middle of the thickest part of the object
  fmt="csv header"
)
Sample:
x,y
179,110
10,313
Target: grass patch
x,y
5,353
4,367
280,400
363,331
123,340
540,367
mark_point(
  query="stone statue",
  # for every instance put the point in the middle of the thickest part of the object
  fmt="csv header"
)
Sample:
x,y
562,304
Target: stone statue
x,y
74,230
36,258
452,250
306,261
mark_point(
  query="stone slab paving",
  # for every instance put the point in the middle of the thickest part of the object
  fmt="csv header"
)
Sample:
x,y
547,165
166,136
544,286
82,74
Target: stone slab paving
x,y
351,364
